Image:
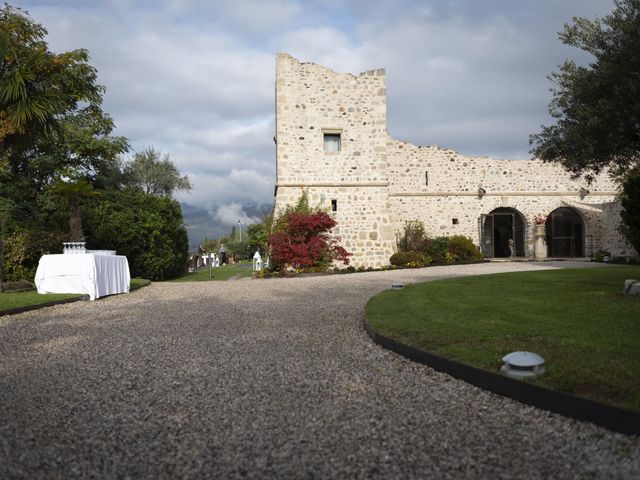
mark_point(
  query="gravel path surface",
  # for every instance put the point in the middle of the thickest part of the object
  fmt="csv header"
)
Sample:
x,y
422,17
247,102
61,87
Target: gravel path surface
x,y
261,379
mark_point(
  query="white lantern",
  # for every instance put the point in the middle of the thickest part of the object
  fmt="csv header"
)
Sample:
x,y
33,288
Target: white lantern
x,y
257,261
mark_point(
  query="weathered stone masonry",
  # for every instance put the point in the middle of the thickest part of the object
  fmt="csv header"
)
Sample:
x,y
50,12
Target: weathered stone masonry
x,y
377,182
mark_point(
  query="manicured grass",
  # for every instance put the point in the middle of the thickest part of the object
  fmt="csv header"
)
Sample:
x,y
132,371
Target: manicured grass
x,y
11,300
137,283
222,273
578,320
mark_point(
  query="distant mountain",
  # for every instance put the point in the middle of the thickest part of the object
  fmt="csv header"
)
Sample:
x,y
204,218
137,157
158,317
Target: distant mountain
x,y
201,224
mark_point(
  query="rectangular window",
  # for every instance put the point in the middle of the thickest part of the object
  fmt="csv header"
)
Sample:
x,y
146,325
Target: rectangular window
x,y
331,142
334,205
426,178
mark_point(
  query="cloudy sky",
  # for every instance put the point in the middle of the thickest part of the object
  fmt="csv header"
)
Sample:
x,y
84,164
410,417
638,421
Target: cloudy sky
x,y
195,78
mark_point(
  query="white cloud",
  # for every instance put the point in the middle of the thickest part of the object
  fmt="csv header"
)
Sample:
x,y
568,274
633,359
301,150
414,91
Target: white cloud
x,y
236,186
232,213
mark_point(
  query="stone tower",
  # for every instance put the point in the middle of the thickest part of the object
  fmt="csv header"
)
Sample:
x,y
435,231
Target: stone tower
x,y
331,141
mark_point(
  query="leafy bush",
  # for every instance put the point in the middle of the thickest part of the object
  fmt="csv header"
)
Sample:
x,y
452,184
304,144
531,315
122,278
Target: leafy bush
x,y
438,249
303,241
412,237
410,259
462,249
23,250
148,229
279,224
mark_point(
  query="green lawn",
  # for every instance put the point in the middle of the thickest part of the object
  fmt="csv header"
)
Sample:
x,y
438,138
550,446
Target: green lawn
x,y
578,320
10,300
222,273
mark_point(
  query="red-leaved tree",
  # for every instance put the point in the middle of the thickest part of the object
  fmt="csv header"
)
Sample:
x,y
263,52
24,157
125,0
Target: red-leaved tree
x,y
305,242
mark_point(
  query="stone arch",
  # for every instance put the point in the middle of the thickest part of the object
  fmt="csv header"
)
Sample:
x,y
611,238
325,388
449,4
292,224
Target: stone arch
x,y
565,233
498,228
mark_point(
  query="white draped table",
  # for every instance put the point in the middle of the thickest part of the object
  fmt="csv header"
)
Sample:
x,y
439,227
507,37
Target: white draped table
x,y
93,275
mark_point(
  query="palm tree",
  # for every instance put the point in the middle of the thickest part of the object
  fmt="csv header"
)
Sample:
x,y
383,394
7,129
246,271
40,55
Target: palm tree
x,y
25,107
74,191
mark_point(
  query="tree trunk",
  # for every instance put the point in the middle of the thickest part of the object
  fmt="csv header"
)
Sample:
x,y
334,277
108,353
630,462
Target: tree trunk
x,y
75,221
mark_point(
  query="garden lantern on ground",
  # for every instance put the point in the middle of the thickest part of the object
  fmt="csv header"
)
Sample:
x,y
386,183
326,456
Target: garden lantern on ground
x,y
522,365
257,261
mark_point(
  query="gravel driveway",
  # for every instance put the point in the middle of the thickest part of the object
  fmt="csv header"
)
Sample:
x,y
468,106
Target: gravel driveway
x,y
261,379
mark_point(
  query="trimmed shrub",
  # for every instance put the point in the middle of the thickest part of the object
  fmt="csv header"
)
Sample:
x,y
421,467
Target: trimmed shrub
x,y
462,249
438,249
410,259
148,229
23,250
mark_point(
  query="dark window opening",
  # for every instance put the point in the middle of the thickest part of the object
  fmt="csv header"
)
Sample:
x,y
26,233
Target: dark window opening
x,y
454,221
426,178
332,142
334,205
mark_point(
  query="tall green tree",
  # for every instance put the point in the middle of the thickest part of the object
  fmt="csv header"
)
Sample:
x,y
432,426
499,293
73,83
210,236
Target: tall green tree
x,y
597,107
154,172
52,127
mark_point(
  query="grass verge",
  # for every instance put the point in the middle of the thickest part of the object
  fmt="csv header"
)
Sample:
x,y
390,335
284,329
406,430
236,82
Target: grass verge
x,y
137,283
12,300
578,320
222,273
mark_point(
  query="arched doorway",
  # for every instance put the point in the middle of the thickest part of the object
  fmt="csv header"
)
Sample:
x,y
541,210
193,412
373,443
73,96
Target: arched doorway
x,y
565,233
502,233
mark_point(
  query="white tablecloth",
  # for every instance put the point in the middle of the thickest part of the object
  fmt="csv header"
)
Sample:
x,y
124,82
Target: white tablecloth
x,y
93,275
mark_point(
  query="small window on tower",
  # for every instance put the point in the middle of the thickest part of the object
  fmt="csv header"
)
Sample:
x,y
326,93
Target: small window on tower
x,y
331,142
426,178
334,205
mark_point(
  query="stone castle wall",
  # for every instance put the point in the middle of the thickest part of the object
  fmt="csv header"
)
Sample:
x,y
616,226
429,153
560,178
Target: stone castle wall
x,y
379,182
437,185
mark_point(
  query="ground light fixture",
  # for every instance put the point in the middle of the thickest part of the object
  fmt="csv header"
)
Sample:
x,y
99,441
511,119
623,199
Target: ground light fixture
x,y
397,286
522,365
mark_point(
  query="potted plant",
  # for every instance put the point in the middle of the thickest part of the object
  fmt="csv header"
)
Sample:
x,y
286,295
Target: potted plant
x,y
539,222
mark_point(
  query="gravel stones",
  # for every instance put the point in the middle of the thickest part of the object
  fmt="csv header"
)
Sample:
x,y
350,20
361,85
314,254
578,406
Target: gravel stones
x,y
272,378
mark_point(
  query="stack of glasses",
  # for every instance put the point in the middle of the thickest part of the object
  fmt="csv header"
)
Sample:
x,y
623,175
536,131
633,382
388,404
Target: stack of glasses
x,y
73,248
